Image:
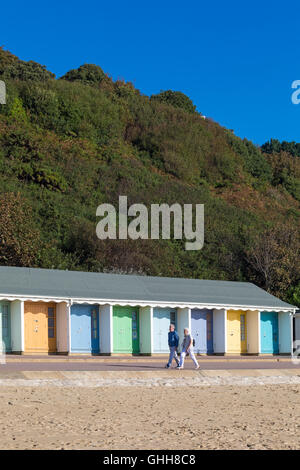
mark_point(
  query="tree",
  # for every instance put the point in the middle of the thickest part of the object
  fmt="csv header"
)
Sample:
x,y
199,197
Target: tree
x,y
88,74
274,258
12,67
19,241
275,146
17,112
294,295
176,99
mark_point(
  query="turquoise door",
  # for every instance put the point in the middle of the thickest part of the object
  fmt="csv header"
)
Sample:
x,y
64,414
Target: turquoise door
x,y
269,333
5,337
162,317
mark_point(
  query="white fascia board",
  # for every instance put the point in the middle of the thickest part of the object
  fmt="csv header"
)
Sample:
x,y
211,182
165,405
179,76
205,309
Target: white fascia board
x,y
140,303
32,299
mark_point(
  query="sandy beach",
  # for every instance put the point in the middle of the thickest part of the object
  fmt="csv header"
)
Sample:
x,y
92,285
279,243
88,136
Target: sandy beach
x,y
219,417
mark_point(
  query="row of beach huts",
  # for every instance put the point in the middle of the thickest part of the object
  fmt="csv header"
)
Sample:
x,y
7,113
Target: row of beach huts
x,y
68,312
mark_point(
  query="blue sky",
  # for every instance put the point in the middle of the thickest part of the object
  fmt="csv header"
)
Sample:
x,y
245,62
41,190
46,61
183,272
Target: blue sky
x,y
236,62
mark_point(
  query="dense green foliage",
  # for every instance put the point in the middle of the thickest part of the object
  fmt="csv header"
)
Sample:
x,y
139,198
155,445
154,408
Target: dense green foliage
x,y
286,165
88,74
176,99
13,68
274,146
68,145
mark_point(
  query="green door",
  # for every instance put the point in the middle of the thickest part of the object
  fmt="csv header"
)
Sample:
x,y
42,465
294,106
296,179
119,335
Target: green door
x,y
126,330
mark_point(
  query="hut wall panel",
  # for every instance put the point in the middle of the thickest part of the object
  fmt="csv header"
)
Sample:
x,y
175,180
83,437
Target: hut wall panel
x,y
62,327
297,328
106,329
145,316
219,327
183,321
17,326
253,318
284,324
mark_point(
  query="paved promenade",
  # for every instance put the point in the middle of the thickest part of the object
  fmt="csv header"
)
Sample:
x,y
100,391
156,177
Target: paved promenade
x,y
17,364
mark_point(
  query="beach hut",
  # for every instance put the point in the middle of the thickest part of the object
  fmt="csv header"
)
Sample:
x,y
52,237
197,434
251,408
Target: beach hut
x,y
275,332
243,331
53,311
258,332
45,327
236,331
85,329
202,330
269,333
162,318
126,338
40,327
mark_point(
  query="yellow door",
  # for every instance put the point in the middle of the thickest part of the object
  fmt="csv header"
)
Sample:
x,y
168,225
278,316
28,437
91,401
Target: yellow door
x,y
40,327
236,332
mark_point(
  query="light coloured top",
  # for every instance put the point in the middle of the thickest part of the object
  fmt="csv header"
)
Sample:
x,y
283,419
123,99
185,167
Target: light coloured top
x,y
186,342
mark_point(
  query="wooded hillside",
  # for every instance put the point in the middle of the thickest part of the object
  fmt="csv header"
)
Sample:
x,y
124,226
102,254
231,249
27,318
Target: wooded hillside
x,y
70,144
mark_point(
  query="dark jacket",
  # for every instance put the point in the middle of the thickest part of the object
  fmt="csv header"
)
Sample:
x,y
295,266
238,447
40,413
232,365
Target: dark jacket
x,y
173,339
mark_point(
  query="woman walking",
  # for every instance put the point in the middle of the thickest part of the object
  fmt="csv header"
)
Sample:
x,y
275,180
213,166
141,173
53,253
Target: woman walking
x,y
187,348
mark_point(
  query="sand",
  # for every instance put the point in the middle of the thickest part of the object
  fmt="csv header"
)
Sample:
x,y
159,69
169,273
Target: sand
x,y
122,417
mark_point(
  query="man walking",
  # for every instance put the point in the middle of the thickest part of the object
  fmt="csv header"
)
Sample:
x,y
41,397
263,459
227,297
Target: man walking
x,y
173,340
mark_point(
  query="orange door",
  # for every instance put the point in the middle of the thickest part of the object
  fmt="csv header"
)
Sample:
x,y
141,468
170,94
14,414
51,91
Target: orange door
x,y
40,327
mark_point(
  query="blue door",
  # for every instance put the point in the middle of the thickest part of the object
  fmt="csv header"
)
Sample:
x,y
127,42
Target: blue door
x,y
5,328
202,330
162,317
85,329
269,333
